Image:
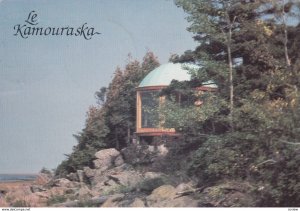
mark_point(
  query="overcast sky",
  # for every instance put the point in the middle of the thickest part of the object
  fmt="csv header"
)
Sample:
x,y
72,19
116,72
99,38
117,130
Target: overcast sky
x,y
47,83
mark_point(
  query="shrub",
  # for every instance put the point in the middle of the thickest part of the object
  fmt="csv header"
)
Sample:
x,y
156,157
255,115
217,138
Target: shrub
x,y
20,203
56,199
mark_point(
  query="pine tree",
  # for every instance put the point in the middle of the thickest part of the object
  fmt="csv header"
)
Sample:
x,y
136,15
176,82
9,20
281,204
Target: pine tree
x,y
112,121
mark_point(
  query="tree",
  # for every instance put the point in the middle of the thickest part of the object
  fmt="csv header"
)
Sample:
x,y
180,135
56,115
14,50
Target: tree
x,y
112,121
213,23
266,97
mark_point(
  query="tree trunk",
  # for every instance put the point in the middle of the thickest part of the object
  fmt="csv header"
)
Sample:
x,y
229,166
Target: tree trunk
x,y
230,74
286,54
128,133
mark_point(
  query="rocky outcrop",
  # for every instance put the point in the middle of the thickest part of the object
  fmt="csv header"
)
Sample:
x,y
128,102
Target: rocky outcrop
x,y
42,179
228,194
105,158
137,202
113,201
115,182
166,196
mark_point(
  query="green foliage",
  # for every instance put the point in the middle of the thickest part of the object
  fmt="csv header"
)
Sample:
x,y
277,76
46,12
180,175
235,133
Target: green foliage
x,y
20,203
262,145
192,120
108,124
148,185
56,199
46,171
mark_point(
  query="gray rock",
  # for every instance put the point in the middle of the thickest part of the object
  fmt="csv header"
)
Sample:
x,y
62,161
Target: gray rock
x,y
80,175
152,175
37,188
65,183
88,172
73,177
185,187
42,179
42,195
137,203
105,158
84,193
127,178
165,196
119,161
103,154
113,201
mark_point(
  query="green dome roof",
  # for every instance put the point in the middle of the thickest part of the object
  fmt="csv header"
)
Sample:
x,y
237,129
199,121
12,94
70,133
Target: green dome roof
x,y
164,74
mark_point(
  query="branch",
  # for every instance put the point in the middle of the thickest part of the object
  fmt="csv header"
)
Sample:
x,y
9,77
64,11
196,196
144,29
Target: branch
x,y
188,192
292,143
267,161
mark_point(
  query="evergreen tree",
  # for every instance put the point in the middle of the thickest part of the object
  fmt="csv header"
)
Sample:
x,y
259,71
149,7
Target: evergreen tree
x,y
112,122
263,147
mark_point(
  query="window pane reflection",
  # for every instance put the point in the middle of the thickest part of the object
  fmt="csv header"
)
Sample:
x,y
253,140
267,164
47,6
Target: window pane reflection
x,y
150,104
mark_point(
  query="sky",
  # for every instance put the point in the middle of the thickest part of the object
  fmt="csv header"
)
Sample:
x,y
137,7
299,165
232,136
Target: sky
x,y
47,83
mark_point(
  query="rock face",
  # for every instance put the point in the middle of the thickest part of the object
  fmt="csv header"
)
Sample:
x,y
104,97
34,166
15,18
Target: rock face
x,y
137,203
105,158
115,182
110,172
88,172
42,179
115,178
165,196
113,201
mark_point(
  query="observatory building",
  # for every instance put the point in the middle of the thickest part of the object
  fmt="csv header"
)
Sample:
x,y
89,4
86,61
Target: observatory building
x,y
148,99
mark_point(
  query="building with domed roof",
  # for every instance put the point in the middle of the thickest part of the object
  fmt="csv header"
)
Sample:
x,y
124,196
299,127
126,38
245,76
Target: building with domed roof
x,y
148,99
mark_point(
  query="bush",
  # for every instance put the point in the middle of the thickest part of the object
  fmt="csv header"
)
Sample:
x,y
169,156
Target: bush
x,y
56,199
20,203
148,185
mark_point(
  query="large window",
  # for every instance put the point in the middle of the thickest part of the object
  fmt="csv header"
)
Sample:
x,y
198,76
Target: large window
x,y
150,105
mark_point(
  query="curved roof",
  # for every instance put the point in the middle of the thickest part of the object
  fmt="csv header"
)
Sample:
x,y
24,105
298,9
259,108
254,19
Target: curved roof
x,y
164,74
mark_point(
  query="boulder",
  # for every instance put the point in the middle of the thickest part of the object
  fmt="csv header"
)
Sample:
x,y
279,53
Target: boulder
x,y
105,158
139,154
44,195
119,161
88,172
137,202
152,175
165,196
73,177
80,176
42,179
84,193
127,178
161,193
106,153
34,201
185,187
183,201
162,150
113,201
37,188
65,183
109,179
